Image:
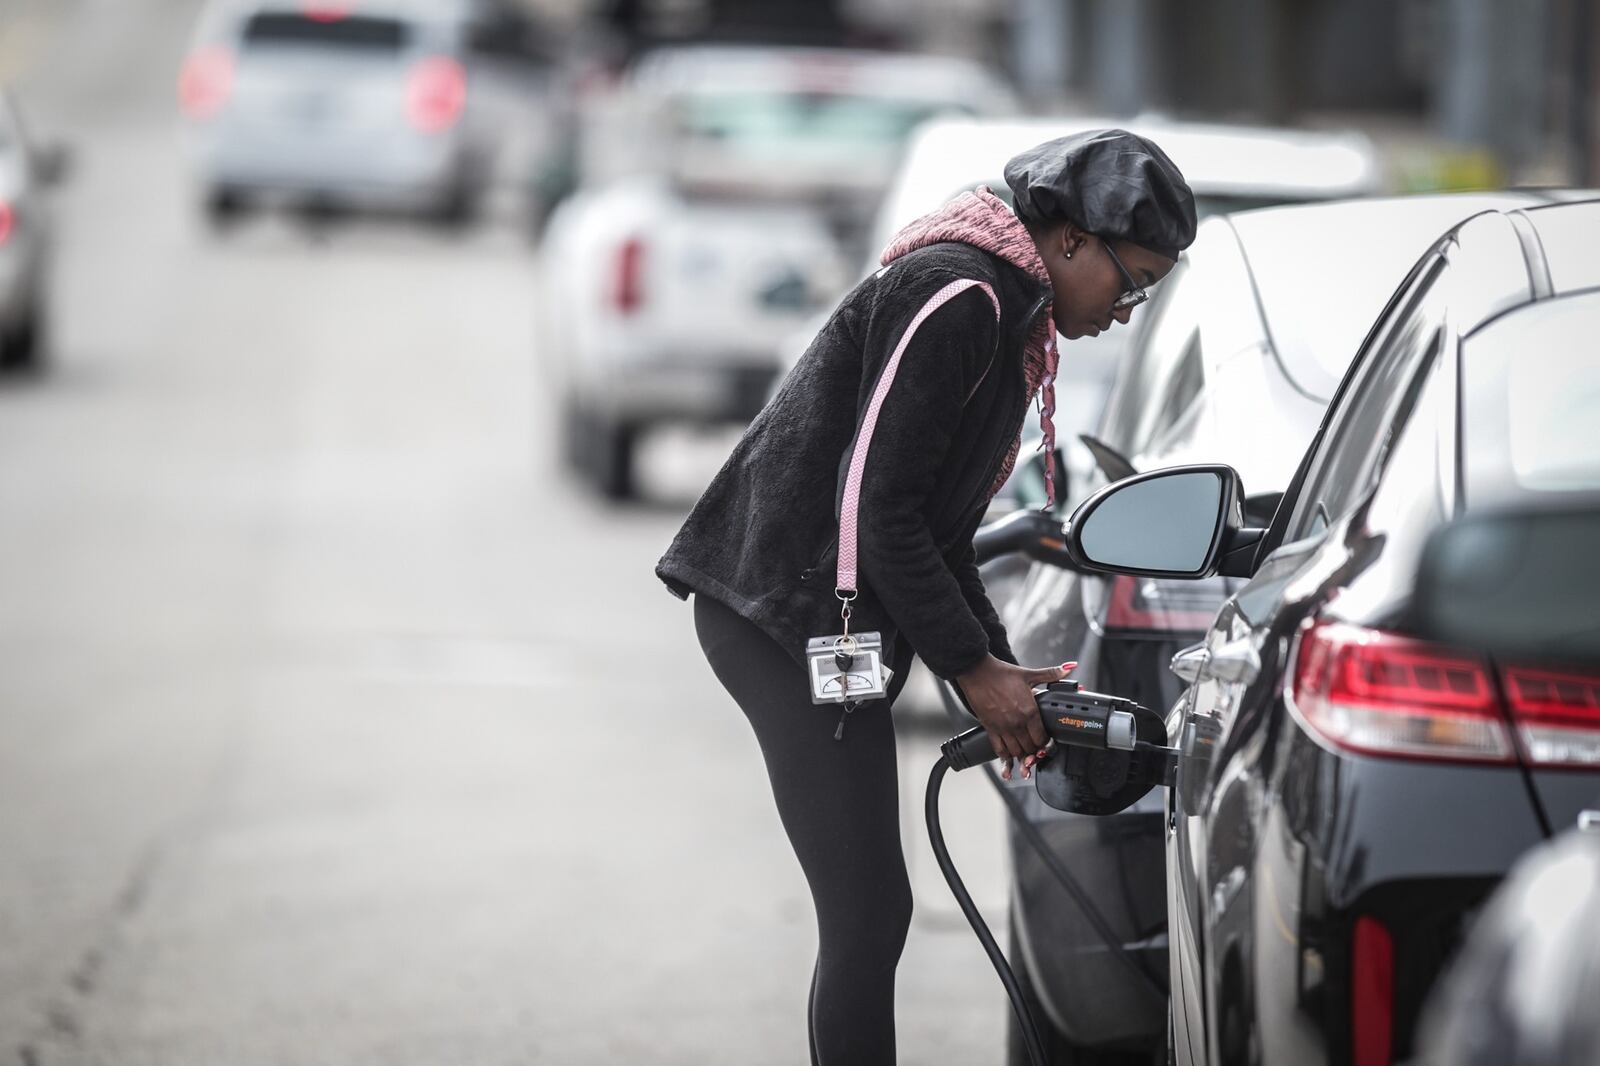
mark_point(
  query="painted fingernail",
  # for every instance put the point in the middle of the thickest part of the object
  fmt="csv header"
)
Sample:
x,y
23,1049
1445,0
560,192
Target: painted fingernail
x,y
1069,667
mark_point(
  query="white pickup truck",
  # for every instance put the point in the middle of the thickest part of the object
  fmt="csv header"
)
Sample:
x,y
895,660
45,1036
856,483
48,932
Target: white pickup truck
x,y
723,190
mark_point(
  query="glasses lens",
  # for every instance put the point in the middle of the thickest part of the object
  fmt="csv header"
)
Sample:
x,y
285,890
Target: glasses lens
x,y
1130,299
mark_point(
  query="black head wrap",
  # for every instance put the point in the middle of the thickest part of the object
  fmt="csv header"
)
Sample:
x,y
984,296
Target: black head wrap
x,y
1110,182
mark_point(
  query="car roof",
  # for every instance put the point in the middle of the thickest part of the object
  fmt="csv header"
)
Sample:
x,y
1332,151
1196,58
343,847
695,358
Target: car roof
x,y
948,154
1214,157
1567,237
765,67
1370,245
424,10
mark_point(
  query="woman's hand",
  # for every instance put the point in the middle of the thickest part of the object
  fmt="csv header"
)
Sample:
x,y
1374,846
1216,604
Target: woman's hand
x,y
1001,696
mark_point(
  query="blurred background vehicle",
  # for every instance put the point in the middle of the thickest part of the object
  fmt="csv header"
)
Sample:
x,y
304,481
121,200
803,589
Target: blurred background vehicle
x,y
1352,792
1234,361
26,172
1521,585
724,187
371,104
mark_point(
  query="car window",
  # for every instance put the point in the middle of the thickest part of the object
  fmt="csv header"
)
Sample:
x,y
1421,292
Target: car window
x,y
788,124
1137,413
363,33
1181,390
1361,426
1530,390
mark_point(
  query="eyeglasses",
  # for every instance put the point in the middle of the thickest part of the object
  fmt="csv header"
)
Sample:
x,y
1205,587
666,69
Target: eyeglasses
x,y
1133,295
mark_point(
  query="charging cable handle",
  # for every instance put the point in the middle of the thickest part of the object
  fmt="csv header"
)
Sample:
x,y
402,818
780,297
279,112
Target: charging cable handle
x,y
1083,727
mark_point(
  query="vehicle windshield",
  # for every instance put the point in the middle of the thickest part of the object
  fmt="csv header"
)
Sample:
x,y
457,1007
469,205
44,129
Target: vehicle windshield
x,y
1530,389
774,125
366,34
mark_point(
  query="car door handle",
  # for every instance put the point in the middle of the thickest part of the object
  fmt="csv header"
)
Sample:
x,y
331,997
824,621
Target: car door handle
x,y
1235,662
1188,663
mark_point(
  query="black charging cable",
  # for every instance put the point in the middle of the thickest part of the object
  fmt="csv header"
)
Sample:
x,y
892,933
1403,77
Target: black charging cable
x,y
977,751
941,854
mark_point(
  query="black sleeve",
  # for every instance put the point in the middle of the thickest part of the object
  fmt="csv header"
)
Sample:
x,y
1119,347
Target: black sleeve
x,y
898,557
978,599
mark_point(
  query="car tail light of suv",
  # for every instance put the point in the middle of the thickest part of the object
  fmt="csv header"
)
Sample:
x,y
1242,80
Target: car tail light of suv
x,y
8,221
206,82
1383,694
436,94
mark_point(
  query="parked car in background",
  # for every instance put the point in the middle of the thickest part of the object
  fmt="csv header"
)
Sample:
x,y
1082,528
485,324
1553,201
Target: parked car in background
x,y
374,104
1234,360
721,184
1351,791
27,170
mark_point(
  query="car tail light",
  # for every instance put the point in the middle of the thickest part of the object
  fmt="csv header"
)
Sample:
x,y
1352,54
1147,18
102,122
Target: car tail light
x,y
1382,694
206,82
627,288
1556,714
1150,604
326,10
8,221
436,94
1371,993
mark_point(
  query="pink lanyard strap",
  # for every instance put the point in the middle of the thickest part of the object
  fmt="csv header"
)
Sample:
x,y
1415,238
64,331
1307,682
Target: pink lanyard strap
x,y
849,511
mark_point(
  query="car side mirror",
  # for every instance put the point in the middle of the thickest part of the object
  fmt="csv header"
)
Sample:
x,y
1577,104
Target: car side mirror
x,y
1519,584
1179,522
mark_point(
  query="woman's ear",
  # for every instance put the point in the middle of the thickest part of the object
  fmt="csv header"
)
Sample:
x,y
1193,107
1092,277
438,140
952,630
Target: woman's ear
x,y
1072,239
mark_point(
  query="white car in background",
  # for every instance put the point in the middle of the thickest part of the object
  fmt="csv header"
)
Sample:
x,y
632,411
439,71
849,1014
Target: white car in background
x,y
721,188
25,238
354,103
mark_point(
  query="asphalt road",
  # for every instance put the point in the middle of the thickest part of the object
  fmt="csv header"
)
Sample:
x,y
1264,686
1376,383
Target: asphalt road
x,y
335,725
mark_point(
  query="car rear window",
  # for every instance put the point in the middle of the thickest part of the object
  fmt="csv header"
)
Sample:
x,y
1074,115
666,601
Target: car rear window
x,y
364,33
1530,389
786,124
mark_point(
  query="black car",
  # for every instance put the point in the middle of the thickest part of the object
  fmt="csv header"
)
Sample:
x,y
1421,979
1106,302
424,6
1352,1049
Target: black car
x,y
1522,990
1351,793
1234,361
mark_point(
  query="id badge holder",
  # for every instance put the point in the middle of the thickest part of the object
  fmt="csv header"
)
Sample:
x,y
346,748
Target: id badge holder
x,y
847,669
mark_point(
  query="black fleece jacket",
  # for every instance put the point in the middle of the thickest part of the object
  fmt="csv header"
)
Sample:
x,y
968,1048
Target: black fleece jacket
x,y
763,538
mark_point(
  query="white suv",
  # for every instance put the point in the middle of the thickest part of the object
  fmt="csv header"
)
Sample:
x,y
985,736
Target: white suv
x,y
365,103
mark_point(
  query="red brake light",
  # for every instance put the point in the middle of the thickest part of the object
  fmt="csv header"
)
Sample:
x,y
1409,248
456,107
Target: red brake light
x,y
206,82
627,291
1371,993
1142,603
326,11
1382,694
1556,713
8,221
436,94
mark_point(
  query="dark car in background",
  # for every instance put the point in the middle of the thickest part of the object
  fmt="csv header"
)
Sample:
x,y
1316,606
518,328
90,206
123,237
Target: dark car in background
x,y
27,170
1350,791
1234,360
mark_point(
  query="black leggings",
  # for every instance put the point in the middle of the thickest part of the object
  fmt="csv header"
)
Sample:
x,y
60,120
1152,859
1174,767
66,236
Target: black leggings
x,y
838,801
